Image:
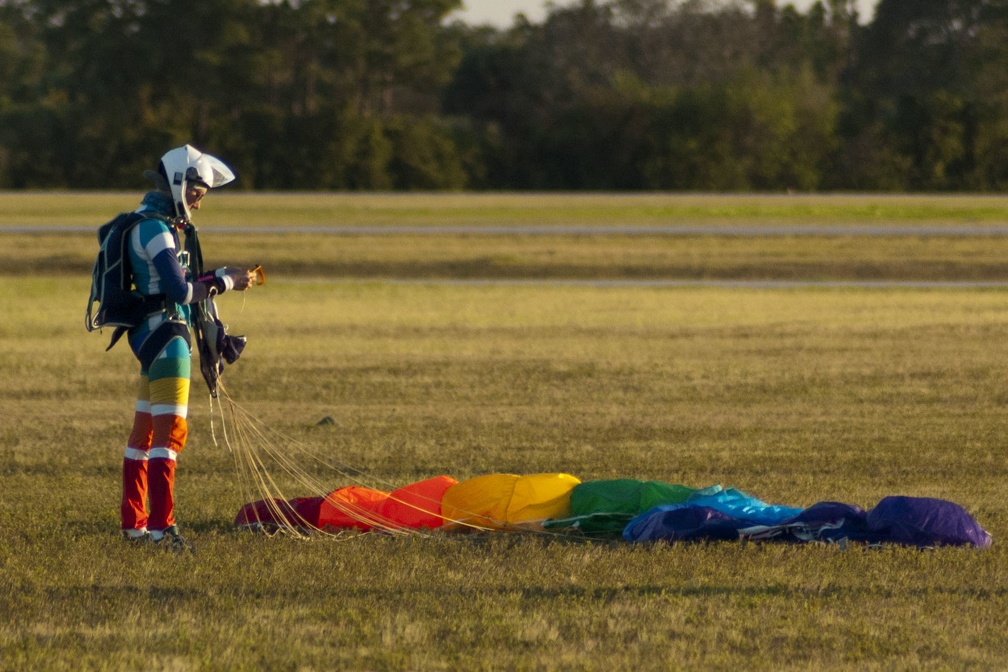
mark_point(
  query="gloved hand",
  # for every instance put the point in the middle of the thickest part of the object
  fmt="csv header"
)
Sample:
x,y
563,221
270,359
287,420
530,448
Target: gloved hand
x,y
235,278
230,277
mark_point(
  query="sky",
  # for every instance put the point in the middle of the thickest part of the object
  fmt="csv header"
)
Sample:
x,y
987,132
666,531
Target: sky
x,y
501,12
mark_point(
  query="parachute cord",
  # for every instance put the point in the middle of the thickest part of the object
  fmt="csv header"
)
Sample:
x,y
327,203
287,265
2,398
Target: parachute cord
x,y
250,465
255,447
245,492
254,475
213,433
252,444
256,444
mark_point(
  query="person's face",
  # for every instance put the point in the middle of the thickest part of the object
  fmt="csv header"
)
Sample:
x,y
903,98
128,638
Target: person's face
x,y
194,195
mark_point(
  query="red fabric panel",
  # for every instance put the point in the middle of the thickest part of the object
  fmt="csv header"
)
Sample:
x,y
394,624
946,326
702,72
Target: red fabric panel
x,y
417,505
295,513
308,508
161,493
134,500
353,507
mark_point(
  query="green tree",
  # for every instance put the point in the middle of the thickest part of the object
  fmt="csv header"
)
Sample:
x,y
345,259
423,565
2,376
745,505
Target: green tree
x,y
915,96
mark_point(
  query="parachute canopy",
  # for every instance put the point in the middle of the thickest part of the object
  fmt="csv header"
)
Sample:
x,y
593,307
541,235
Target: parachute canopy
x,y
636,511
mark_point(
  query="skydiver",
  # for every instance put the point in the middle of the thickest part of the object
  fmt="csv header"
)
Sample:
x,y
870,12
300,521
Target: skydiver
x,y
162,342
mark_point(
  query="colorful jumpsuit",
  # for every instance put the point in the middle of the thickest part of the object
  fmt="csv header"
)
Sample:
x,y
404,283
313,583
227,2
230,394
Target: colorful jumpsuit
x,y
159,425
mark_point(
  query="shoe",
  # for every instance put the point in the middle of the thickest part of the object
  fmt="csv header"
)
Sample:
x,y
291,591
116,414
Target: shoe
x,y
136,535
171,539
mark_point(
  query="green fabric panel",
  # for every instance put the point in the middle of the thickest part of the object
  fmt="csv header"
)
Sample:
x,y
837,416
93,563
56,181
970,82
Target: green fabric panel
x,y
595,524
629,495
605,507
176,364
656,493
614,496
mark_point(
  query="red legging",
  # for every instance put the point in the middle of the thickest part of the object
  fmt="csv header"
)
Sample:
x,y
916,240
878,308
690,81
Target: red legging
x,y
158,436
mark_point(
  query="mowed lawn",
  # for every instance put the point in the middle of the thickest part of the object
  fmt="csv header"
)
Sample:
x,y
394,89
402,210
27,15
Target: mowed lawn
x,y
793,394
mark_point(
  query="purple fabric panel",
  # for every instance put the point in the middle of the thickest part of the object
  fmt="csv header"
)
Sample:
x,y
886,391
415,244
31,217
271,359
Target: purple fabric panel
x,y
922,521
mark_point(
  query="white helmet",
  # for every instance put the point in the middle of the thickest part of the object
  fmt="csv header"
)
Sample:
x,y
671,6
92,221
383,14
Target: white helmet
x,y
185,166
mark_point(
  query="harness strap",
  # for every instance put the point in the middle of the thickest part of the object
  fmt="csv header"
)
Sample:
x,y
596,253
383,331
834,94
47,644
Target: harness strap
x,y
153,304
158,339
116,335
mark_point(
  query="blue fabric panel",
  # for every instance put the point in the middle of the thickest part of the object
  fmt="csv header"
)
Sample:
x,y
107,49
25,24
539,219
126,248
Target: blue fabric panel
x,y
682,522
748,509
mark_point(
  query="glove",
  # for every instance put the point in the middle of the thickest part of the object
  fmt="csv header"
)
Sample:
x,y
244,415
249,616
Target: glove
x,y
229,277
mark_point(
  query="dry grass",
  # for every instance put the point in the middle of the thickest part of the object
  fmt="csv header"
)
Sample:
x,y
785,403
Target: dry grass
x,y
794,395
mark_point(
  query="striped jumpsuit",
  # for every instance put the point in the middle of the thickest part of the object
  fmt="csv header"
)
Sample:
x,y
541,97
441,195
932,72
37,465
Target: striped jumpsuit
x,y
159,426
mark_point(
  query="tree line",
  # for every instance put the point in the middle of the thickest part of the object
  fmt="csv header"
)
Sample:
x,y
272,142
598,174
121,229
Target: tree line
x,y
698,95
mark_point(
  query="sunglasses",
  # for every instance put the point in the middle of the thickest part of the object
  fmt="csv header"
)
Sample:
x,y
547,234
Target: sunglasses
x,y
195,195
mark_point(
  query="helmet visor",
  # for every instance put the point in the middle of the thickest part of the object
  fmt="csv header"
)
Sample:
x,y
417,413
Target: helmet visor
x,y
210,172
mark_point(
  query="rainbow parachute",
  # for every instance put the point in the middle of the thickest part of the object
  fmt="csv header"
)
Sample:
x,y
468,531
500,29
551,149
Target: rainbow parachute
x,y
559,504
634,510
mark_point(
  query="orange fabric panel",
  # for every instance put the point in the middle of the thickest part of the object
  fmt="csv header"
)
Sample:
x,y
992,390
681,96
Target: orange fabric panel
x,y
143,430
172,429
353,507
417,505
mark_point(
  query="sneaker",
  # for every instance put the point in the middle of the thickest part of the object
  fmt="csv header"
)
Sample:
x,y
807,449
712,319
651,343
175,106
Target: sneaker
x,y
171,539
136,535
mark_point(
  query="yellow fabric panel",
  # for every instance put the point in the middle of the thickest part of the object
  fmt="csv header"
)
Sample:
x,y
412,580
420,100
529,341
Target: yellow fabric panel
x,y
170,391
541,496
481,501
143,389
497,501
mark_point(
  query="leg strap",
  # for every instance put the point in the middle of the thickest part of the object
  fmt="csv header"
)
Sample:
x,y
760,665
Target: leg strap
x,y
158,339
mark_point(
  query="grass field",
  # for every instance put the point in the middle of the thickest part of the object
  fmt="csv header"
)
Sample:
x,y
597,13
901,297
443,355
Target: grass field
x,y
794,394
385,247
